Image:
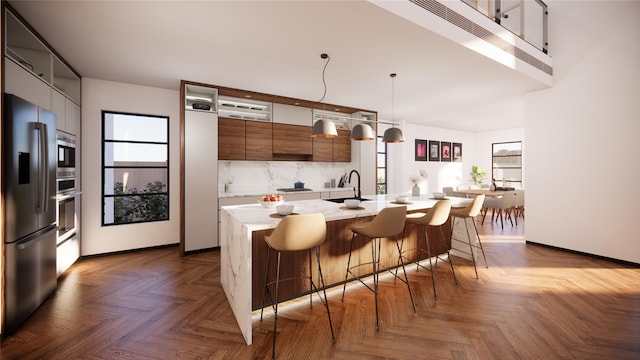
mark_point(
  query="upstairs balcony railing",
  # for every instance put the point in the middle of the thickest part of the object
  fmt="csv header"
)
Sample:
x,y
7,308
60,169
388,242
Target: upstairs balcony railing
x,y
525,18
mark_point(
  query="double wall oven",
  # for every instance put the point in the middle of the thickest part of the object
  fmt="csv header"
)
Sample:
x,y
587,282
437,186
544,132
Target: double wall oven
x,y
66,186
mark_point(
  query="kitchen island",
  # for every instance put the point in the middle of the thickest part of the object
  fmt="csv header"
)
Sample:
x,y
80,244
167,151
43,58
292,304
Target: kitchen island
x,y
243,251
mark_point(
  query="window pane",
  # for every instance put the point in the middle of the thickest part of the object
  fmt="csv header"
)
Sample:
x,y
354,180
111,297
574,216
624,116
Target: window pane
x,y
135,127
507,164
507,161
508,174
135,181
135,168
513,148
382,160
136,208
126,154
381,175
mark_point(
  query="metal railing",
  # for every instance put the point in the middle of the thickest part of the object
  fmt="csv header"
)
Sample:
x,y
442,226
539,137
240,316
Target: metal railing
x,y
525,18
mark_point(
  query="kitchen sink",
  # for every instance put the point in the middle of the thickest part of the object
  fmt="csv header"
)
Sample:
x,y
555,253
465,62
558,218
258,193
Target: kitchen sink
x,y
341,200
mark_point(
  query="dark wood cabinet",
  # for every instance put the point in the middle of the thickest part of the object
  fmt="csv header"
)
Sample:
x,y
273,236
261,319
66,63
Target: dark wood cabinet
x,y
244,140
258,140
337,149
266,141
342,146
231,139
322,149
292,140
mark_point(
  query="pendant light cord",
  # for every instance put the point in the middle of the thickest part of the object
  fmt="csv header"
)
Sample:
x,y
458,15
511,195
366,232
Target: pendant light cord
x,y
393,99
324,83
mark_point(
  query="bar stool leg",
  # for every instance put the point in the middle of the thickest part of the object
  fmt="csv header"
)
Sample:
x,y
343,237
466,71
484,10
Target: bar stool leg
x,y
433,277
265,289
310,280
325,302
486,264
448,256
346,275
275,321
375,256
406,278
473,258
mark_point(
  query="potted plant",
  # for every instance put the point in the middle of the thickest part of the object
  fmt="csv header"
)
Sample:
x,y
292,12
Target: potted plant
x,y
477,174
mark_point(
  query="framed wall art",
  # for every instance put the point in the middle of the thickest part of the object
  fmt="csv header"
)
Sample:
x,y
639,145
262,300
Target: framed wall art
x,y
421,150
445,151
457,152
434,150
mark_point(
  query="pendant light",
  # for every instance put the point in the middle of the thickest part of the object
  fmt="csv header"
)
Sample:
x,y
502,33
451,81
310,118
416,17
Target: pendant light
x,y
362,132
324,128
393,134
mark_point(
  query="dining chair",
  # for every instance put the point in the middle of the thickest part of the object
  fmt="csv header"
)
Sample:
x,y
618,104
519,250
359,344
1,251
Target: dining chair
x,y
448,190
500,207
389,223
470,212
295,233
434,217
518,205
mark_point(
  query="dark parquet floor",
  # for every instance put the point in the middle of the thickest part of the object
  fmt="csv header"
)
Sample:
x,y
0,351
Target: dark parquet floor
x,y
531,303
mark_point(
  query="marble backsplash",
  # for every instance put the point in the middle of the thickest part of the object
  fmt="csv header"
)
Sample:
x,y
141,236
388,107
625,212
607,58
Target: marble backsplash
x,y
257,177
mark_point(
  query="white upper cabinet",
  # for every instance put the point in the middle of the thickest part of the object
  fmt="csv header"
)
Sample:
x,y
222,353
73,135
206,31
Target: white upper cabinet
x,y
58,106
244,109
21,83
292,115
28,51
200,98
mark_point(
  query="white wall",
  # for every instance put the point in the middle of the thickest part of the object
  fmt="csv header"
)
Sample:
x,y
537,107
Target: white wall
x,y
98,95
582,135
440,174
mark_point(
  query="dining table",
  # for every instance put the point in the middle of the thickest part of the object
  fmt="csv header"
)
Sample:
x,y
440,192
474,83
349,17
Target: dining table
x,y
476,192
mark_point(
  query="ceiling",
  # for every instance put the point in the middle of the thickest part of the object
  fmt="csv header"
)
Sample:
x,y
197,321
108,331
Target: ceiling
x,y
274,47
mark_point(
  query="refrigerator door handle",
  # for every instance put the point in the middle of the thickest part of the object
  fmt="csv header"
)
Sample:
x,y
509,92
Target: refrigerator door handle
x,y
43,191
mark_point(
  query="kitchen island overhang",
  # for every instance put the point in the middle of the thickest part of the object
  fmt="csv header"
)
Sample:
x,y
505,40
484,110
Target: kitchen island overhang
x,y
242,231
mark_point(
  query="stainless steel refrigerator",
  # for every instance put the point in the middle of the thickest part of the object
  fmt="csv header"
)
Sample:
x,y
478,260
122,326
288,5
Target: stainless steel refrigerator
x,y
29,192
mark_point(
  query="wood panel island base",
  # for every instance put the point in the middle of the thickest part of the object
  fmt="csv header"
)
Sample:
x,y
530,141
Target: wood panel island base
x,y
244,252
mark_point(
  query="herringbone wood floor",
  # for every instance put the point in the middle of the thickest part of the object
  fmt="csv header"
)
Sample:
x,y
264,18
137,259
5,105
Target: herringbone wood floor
x,y
531,303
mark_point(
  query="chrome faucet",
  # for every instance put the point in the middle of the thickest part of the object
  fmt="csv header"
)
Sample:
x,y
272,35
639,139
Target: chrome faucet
x,y
357,193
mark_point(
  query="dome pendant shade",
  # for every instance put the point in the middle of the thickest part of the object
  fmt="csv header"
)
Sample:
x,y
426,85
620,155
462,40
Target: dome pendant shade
x,y
324,129
362,132
393,135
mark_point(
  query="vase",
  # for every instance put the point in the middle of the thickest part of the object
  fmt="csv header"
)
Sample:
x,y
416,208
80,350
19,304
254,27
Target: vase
x,y
493,185
415,191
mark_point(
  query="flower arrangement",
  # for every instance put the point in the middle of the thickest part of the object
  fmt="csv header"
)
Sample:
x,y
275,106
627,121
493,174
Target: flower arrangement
x,y
417,179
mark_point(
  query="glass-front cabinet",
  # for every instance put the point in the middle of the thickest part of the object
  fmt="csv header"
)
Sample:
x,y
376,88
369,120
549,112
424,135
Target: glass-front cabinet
x,y
29,51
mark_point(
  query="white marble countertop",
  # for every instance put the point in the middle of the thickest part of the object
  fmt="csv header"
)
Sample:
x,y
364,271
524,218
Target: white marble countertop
x,y
284,193
256,217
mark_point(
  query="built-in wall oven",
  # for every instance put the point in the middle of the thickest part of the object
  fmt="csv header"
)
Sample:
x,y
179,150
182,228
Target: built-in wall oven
x,y
66,186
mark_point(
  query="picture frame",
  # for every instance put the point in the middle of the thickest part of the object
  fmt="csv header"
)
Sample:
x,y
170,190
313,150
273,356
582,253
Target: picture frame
x,y
434,150
445,151
457,152
421,150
